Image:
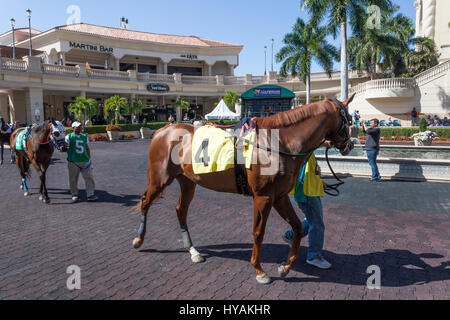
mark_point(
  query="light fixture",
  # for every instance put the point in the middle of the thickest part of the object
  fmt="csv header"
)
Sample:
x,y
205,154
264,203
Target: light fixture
x,y
13,24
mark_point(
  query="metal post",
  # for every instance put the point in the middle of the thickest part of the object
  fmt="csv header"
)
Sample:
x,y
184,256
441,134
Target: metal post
x,y
265,60
13,22
29,29
272,53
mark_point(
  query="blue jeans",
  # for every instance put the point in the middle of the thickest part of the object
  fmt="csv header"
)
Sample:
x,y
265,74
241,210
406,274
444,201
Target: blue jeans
x,y
372,156
312,226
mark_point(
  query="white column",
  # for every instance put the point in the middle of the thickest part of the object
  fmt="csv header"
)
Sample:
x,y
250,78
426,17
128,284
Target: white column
x,y
83,94
117,64
209,69
4,107
34,101
165,67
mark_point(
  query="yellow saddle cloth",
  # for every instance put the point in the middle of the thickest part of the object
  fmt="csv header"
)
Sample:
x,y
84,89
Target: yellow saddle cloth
x,y
213,150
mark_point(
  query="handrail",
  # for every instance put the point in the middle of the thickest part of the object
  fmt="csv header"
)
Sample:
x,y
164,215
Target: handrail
x,y
155,78
60,70
13,64
433,72
198,80
98,73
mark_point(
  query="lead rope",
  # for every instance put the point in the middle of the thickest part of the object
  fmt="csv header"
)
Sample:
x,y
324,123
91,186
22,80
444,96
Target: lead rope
x,y
335,186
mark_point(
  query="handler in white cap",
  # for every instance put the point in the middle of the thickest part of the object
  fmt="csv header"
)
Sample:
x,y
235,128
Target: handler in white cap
x,y
79,161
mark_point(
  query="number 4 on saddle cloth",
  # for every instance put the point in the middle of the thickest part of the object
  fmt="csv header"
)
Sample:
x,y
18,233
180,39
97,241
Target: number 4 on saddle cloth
x,y
215,150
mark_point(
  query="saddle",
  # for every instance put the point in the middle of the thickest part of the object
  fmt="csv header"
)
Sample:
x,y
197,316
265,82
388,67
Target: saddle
x,y
215,150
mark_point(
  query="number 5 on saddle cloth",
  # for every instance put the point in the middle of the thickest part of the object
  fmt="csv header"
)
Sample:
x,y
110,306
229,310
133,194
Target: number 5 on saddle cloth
x,y
215,150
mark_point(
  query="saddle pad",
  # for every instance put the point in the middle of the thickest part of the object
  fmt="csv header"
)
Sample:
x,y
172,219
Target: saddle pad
x,y
20,140
213,150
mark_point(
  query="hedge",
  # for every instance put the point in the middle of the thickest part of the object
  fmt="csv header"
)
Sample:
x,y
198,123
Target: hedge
x,y
136,127
441,132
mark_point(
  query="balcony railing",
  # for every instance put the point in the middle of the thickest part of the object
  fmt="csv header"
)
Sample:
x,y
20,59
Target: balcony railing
x,y
107,74
230,80
199,80
13,64
383,84
432,73
60,70
155,78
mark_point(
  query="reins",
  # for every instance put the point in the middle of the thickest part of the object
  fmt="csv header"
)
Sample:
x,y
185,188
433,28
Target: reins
x,y
335,186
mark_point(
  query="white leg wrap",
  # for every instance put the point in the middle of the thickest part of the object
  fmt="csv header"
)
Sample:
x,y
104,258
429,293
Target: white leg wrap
x,y
196,257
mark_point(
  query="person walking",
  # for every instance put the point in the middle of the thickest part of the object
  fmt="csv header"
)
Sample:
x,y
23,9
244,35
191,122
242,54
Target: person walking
x,y
373,147
308,192
79,161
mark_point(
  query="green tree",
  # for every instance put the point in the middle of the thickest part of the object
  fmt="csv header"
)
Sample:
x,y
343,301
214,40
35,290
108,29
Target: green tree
x,y
305,43
92,108
231,98
115,103
337,13
384,44
83,109
422,57
135,107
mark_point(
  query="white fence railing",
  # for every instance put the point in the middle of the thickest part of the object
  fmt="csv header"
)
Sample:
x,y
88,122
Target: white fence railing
x,y
155,78
231,80
432,73
60,70
199,80
13,64
108,74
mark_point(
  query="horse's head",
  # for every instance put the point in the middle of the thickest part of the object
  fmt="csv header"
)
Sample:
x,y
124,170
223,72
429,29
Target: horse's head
x,y
58,135
340,137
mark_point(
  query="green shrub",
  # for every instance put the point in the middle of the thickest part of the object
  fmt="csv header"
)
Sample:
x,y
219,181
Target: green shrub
x,y
423,125
441,132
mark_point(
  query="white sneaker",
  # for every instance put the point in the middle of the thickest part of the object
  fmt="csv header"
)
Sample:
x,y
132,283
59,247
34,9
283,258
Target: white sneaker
x,y
319,262
74,199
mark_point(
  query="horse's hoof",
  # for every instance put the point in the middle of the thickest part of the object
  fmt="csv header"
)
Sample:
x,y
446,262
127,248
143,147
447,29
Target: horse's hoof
x,y
46,201
137,243
198,258
264,279
21,187
26,194
282,272
41,198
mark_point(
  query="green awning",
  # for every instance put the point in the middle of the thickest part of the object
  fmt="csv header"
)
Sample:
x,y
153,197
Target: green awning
x,y
268,91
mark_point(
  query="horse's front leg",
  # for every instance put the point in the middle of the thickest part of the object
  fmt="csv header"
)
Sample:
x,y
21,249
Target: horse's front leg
x,y
44,193
287,212
261,210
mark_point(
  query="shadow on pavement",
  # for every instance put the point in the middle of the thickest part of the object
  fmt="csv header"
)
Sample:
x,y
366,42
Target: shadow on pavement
x,y
398,267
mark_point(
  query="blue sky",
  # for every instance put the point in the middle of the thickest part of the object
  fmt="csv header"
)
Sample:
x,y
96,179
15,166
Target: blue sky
x,y
251,23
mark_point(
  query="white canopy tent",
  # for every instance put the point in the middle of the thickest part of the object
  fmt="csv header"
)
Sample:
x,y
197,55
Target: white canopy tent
x,y
222,112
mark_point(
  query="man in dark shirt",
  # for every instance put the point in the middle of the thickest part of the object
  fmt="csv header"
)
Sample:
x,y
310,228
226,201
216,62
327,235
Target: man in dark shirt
x,y
373,147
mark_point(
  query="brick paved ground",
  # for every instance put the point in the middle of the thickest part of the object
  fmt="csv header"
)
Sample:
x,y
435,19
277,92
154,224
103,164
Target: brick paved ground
x,y
401,227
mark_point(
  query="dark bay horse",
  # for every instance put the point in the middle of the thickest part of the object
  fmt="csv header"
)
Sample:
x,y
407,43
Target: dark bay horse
x,y
38,151
300,131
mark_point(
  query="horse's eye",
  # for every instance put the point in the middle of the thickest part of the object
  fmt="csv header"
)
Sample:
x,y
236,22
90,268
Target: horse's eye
x,y
56,134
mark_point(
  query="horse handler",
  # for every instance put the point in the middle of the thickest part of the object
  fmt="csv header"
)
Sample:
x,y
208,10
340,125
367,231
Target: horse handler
x,y
79,161
308,192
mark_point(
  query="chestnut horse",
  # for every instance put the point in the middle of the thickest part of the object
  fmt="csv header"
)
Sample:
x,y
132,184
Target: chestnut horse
x,y
300,131
39,152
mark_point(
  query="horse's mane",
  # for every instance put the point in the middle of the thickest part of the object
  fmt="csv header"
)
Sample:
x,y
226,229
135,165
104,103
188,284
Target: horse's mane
x,y
294,116
41,127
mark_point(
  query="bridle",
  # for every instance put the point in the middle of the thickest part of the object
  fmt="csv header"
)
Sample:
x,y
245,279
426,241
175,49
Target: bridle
x,y
344,133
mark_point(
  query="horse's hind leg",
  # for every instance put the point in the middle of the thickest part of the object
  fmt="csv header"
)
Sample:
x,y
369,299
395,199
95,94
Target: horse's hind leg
x,y
187,190
154,191
287,212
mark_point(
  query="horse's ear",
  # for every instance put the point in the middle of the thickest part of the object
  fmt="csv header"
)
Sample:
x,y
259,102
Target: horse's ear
x,y
349,100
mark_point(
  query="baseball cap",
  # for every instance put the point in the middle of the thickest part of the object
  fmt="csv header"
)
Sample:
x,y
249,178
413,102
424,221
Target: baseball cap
x,y
76,124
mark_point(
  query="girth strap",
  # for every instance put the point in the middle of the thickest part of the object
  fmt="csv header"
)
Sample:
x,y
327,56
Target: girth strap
x,y
240,173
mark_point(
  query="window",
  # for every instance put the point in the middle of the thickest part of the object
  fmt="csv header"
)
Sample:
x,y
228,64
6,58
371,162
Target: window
x,y
187,71
146,68
127,66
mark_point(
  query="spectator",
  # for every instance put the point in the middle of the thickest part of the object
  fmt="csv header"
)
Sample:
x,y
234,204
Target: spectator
x,y
446,122
437,123
414,117
429,120
134,119
389,122
171,119
373,147
186,117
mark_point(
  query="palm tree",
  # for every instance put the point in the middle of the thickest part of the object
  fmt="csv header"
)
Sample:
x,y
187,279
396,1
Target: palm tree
x,y
78,109
115,103
338,12
135,107
305,43
386,44
231,98
91,108
423,57
183,104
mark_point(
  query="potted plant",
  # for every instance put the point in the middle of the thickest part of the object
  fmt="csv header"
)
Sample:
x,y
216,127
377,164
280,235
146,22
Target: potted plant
x,y
424,138
113,132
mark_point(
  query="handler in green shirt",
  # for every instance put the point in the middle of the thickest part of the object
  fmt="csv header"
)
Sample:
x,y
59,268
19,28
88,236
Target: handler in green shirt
x,y
79,161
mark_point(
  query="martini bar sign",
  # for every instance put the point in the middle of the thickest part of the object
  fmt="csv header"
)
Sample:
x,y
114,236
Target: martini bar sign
x,y
90,47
